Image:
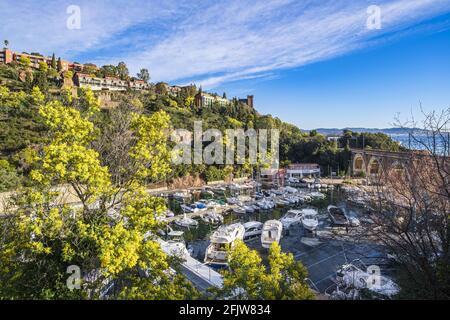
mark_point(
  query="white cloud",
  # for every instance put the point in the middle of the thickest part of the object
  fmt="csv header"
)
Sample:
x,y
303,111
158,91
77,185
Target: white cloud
x,y
211,42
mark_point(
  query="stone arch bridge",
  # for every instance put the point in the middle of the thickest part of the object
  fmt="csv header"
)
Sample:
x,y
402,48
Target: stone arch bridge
x,y
373,162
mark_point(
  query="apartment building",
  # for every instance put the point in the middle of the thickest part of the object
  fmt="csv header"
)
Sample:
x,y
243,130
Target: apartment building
x,y
6,56
83,80
9,56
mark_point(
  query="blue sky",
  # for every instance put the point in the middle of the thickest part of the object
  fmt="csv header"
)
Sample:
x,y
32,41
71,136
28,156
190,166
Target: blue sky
x,y
313,63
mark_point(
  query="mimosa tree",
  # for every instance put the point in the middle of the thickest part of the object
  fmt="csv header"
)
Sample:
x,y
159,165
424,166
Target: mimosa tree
x,y
74,215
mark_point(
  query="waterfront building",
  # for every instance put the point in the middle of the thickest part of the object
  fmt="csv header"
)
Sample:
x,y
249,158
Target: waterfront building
x,y
302,170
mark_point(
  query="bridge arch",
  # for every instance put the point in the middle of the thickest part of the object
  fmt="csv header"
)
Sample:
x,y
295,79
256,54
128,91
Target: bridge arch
x,y
359,164
374,166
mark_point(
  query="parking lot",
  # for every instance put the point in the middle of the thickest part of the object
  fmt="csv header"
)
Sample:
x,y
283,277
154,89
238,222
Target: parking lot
x,y
324,252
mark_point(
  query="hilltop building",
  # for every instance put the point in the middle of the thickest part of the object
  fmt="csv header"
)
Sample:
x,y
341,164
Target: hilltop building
x,y
204,99
248,101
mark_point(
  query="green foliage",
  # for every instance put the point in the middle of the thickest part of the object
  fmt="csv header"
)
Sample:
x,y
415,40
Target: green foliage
x,y
43,67
110,236
248,279
59,66
54,65
378,141
9,179
144,75
122,71
25,61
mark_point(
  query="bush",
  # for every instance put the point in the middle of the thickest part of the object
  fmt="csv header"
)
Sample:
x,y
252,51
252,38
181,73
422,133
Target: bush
x,y
9,179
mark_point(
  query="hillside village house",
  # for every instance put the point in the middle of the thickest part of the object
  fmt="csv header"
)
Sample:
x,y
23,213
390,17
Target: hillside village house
x,y
136,84
83,80
9,56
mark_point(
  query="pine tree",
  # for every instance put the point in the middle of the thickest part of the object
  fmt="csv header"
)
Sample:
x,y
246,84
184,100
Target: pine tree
x,y
60,67
53,62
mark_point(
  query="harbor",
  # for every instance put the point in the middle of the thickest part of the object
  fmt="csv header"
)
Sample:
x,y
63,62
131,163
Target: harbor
x,y
322,249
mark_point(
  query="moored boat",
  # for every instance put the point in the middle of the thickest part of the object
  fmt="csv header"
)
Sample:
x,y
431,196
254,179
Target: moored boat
x,y
212,217
309,219
272,231
186,222
253,229
337,216
223,238
291,218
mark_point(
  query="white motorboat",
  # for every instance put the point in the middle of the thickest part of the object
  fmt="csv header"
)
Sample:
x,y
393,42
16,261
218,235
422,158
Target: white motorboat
x,y
186,222
223,238
187,209
277,192
281,203
181,195
265,204
317,195
290,189
305,198
309,219
337,216
212,217
354,222
239,210
253,229
272,231
292,217
292,199
351,276
248,209
232,200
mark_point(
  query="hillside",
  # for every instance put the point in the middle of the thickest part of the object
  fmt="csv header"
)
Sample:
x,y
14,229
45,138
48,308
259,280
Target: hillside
x,y
22,130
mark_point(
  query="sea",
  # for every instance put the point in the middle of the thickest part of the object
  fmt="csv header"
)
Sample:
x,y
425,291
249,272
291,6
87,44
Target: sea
x,y
424,142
